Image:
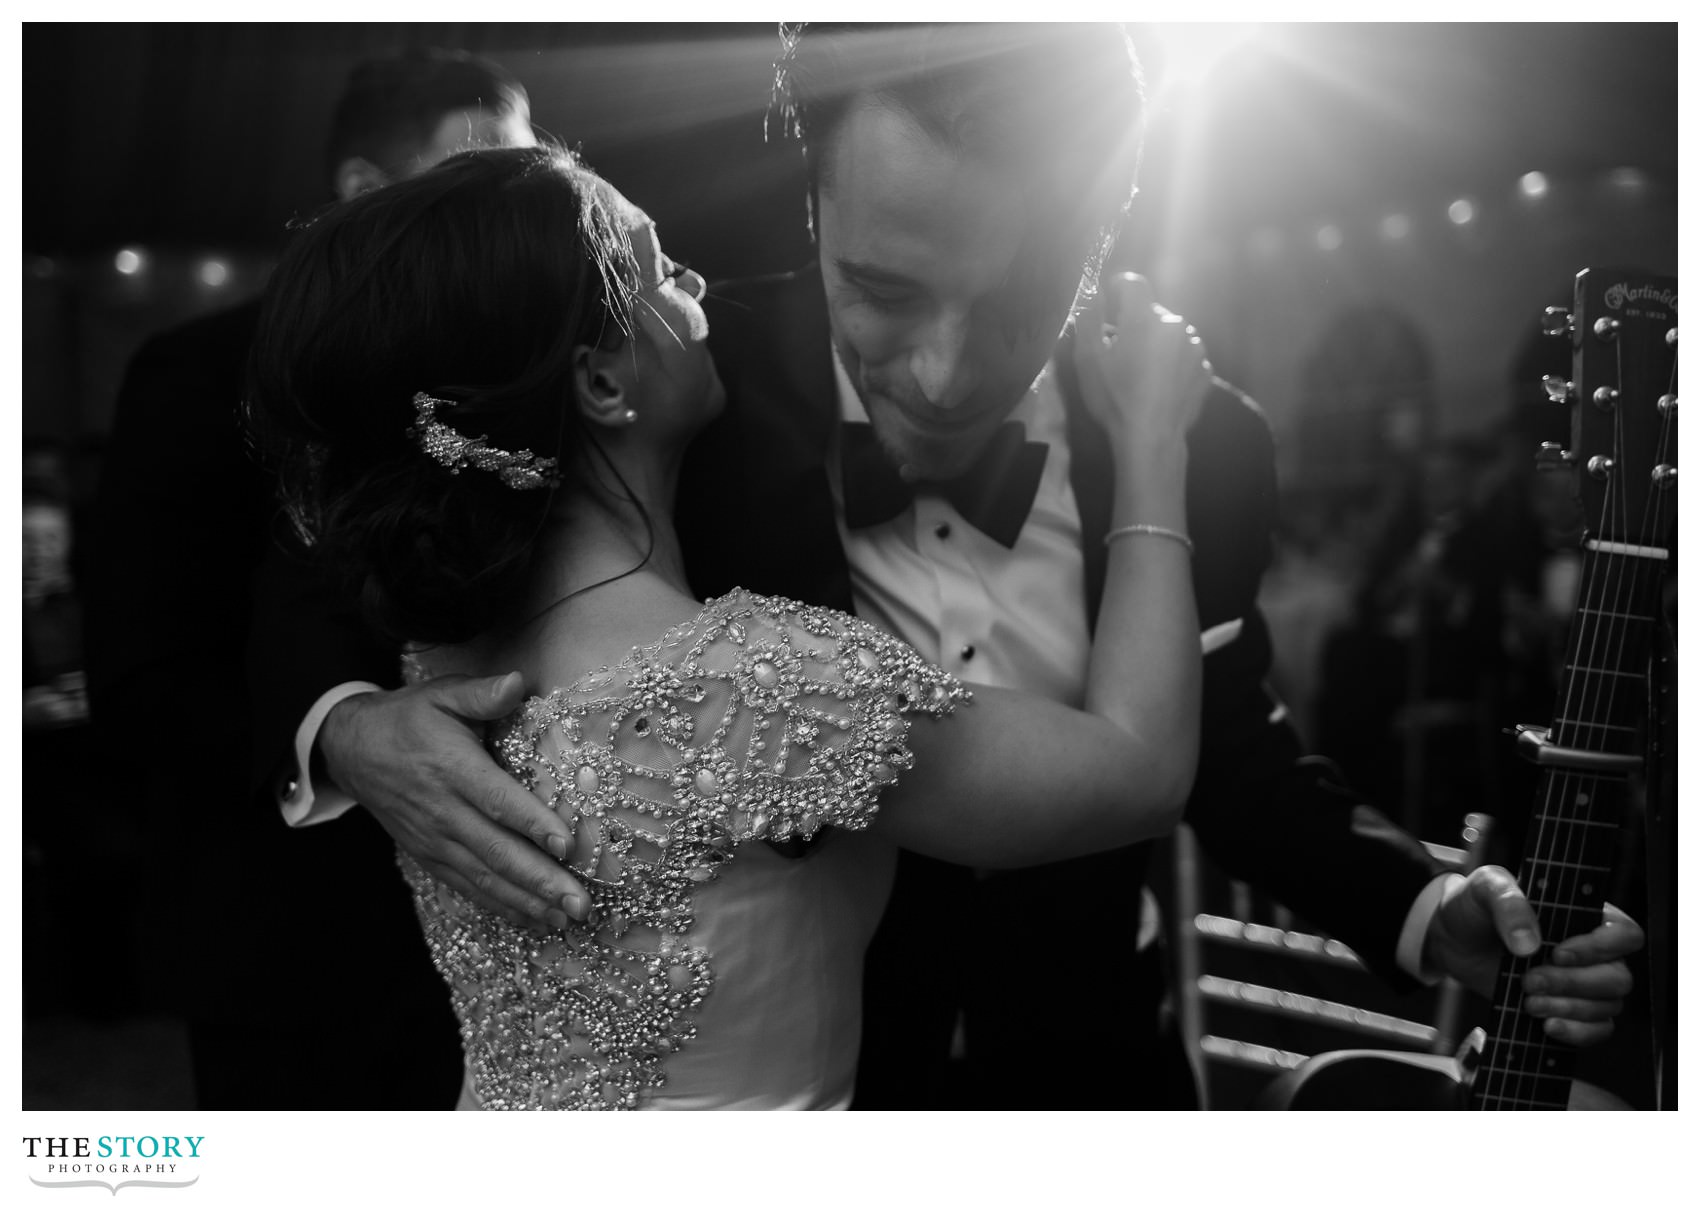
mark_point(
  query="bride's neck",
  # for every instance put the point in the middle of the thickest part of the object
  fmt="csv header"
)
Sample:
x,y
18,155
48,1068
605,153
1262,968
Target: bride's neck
x,y
608,576
619,529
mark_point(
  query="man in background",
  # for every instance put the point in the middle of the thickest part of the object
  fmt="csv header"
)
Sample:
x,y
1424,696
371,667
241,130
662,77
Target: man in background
x,y
299,967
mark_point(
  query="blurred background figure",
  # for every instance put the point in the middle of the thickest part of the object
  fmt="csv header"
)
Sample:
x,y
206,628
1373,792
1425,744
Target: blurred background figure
x,y
183,515
53,639
1464,586
1405,682
55,732
1368,409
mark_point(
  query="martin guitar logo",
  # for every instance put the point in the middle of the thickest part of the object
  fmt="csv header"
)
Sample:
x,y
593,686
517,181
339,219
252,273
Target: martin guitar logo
x,y
1620,294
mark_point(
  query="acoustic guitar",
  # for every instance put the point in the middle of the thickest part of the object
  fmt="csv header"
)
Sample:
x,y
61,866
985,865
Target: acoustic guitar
x,y
1622,396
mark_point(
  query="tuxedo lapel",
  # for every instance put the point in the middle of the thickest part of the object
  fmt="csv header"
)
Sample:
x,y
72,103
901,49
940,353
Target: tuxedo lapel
x,y
755,507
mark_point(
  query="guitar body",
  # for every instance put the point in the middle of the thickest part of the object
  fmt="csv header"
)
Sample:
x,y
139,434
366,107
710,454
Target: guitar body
x,y
1375,1080
1367,1079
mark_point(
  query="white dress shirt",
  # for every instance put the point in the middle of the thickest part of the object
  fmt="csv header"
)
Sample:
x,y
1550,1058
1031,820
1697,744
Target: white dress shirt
x,y
302,803
1009,617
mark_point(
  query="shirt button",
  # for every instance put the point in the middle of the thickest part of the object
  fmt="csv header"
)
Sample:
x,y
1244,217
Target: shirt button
x,y
968,652
942,530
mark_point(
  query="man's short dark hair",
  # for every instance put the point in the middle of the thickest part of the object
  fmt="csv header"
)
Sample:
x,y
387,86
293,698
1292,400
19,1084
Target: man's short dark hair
x,y
391,107
1063,102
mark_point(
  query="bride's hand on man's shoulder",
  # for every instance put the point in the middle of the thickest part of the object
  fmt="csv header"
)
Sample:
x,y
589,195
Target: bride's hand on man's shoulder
x,y
415,759
1143,370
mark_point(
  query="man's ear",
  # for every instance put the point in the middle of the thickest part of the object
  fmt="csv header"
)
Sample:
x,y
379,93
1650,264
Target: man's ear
x,y
356,175
601,391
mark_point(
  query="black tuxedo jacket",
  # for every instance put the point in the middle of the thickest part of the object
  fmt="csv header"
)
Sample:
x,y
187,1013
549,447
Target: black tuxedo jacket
x,y
755,509
284,922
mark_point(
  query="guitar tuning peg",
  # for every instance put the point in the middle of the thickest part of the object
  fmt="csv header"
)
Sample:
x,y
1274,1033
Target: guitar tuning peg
x,y
1558,388
1556,322
1605,328
1667,402
1670,337
1553,457
1605,398
1664,476
1600,467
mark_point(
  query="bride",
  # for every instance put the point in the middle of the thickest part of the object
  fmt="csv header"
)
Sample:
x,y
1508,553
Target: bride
x,y
480,384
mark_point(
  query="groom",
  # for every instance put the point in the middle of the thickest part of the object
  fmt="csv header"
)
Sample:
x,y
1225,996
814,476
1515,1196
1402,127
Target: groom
x,y
959,181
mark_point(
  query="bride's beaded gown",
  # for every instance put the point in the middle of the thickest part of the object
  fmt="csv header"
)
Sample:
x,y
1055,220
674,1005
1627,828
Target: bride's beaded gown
x,y
716,970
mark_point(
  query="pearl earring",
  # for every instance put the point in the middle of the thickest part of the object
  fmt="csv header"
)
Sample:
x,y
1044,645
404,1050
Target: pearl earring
x,y
629,416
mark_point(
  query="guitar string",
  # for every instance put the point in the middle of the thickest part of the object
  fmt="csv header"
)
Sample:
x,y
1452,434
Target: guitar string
x,y
1618,639
1598,690
1559,787
1644,573
1646,534
1531,1055
1635,588
1509,1064
1520,1038
1505,1062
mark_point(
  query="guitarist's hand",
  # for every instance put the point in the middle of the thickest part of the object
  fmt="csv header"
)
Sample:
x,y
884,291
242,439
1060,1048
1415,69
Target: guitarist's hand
x,y
1578,992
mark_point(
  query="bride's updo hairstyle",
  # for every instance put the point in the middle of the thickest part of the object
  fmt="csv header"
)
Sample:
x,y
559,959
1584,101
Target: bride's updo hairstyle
x,y
473,283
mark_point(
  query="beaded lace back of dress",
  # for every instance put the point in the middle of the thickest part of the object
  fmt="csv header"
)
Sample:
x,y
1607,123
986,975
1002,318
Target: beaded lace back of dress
x,y
758,719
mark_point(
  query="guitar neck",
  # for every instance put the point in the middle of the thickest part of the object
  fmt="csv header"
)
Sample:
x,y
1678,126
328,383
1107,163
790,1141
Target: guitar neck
x,y
1623,404
1568,857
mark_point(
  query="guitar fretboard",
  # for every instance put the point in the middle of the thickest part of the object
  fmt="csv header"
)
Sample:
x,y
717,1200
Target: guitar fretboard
x,y
1572,835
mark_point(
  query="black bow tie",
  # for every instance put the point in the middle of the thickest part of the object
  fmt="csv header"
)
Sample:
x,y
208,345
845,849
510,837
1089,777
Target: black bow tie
x,y
994,495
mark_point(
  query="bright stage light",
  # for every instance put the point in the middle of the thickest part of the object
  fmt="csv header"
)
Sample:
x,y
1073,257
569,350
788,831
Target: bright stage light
x,y
1396,227
1461,212
128,261
214,273
1192,51
1533,185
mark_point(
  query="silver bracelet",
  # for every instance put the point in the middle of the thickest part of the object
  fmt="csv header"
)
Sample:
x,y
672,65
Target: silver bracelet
x,y
1162,532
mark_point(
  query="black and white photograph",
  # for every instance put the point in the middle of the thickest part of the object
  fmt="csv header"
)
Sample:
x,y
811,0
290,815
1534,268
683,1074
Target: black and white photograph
x,y
918,568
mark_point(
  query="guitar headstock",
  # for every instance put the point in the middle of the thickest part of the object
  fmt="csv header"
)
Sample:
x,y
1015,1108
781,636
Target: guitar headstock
x,y
1622,330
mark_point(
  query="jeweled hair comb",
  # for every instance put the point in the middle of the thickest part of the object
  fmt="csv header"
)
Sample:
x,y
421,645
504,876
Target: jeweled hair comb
x,y
520,469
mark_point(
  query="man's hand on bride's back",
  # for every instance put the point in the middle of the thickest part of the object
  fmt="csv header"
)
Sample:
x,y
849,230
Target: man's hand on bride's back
x,y
415,759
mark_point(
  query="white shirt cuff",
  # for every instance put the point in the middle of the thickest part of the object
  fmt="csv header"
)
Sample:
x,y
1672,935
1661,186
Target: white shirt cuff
x,y
1409,955
301,805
